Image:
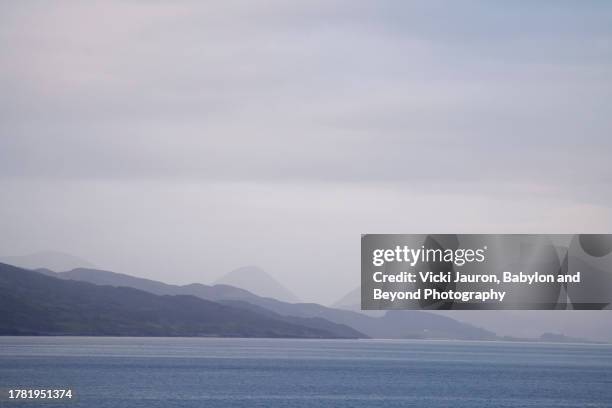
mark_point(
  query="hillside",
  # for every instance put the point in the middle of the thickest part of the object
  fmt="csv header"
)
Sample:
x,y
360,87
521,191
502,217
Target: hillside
x,y
394,324
35,304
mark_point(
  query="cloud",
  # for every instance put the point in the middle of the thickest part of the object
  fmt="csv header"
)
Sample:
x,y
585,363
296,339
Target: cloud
x,y
418,98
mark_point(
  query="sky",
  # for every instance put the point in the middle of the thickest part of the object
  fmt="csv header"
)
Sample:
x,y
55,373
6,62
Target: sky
x,y
180,140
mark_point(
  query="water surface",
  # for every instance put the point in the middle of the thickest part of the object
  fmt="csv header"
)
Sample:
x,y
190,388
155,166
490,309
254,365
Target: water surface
x,y
205,372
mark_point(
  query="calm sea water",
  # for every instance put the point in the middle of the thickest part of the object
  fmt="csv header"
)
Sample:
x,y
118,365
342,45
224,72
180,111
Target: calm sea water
x,y
187,372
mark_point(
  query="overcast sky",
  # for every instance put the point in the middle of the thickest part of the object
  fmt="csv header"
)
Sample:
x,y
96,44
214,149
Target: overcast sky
x,y
180,140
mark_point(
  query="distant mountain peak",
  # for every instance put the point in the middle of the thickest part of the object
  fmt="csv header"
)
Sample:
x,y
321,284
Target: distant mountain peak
x,y
256,280
56,261
350,301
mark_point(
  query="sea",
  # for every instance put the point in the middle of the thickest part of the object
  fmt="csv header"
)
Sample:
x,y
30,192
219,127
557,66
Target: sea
x,y
215,372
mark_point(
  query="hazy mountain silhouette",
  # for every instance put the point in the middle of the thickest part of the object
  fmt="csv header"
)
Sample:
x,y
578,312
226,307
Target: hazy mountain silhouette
x,y
259,282
400,324
54,260
32,303
350,301
531,324
100,277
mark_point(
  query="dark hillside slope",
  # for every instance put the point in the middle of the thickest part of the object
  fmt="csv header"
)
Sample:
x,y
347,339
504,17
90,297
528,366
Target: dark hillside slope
x,y
35,304
396,324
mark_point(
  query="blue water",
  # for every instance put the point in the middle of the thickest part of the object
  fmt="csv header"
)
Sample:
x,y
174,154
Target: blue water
x,y
188,372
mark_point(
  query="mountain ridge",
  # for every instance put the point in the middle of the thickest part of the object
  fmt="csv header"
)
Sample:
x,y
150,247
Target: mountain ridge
x,y
54,260
32,303
406,324
526,325
259,282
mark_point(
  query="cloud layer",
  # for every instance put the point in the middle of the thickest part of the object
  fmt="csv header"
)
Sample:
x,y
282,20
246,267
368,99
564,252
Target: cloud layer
x,y
175,129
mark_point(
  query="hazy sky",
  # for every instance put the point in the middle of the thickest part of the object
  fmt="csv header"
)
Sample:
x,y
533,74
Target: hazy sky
x,y
180,140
